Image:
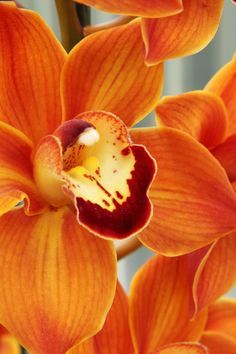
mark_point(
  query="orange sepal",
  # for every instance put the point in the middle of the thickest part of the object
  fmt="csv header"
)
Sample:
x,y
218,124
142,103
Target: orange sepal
x,y
194,203
224,85
106,72
182,348
8,344
198,113
31,62
218,343
222,317
225,154
215,272
150,8
160,297
115,335
16,177
59,279
182,34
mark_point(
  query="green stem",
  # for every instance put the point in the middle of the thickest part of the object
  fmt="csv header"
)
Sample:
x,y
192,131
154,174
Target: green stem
x,y
71,28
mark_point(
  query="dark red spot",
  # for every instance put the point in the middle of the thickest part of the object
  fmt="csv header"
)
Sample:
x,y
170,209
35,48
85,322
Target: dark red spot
x,y
105,202
125,151
120,196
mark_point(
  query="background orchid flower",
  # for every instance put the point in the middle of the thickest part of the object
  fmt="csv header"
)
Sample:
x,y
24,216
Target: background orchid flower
x,y
194,197
172,28
156,319
59,278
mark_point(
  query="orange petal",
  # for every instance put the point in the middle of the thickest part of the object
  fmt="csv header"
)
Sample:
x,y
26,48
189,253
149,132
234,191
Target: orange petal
x,y
152,8
8,344
183,34
16,178
194,202
225,154
115,335
160,297
182,348
107,177
218,343
198,113
106,72
59,279
31,62
216,272
222,317
224,85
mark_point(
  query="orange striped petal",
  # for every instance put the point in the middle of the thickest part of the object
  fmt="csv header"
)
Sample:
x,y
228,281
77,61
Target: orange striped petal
x,y
59,280
198,113
16,177
182,348
150,8
106,72
222,317
8,344
225,154
183,34
93,161
160,297
115,335
194,203
216,271
30,66
218,343
224,85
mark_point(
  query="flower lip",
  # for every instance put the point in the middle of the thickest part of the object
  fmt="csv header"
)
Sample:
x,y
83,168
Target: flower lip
x,y
91,162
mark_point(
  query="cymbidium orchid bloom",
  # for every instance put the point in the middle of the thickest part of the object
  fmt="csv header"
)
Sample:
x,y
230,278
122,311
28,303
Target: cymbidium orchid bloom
x,y
172,28
156,319
194,196
75,172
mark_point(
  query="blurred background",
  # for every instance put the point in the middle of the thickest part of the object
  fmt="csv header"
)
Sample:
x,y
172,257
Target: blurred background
x,y
181,75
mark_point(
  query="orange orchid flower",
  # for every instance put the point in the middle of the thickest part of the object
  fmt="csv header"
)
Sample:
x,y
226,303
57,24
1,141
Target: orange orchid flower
x,y
194,197
75,172
8,344
173,28
155,318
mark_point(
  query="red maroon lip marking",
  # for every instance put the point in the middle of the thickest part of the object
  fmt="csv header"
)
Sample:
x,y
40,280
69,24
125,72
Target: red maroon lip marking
x,y
132,215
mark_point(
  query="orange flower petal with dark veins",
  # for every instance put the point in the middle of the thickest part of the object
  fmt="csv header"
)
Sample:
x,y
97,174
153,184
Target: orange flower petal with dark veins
x,y
57,281
194,203
16,172
182,34
30,67
106,71
114,338
145,8
218,343
222,317
198,113
225,153
215,271
107,177
224,85
183,348
159,305
8,344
